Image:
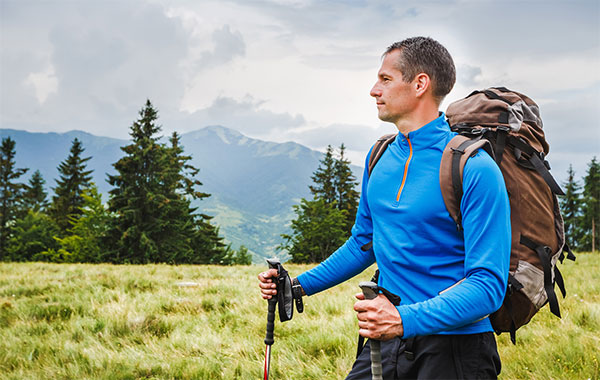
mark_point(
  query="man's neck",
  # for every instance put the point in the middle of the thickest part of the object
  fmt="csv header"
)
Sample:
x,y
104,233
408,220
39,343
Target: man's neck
x,y
416,121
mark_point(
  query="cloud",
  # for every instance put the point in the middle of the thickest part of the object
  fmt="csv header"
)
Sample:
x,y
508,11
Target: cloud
x,y
228,45
468,75
283,69
572,129
93,67
354,137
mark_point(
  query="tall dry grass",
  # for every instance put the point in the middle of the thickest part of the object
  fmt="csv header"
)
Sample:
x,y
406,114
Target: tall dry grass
x,y
135,322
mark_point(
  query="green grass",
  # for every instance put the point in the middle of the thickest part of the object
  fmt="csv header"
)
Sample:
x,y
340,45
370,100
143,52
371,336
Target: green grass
x,y
134,322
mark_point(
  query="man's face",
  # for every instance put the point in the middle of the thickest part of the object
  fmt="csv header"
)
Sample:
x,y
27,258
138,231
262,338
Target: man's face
x,y
395,98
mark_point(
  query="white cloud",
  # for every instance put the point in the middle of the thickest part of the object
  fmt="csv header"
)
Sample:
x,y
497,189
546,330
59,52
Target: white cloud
x,y
44,83
283,69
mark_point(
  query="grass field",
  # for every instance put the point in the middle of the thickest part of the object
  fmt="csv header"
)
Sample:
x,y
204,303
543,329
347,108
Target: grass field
x,y
130,322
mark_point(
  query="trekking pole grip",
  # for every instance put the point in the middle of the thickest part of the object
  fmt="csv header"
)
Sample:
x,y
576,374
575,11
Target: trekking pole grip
x,y
271,321
273,264
370,291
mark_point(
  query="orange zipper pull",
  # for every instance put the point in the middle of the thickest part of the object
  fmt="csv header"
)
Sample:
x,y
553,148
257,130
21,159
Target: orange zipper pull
x,y
405,169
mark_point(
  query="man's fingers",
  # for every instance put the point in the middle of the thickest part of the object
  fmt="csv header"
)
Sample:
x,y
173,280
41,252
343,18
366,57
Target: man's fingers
x,y
359,296
361,305
267,285
267,275
268,288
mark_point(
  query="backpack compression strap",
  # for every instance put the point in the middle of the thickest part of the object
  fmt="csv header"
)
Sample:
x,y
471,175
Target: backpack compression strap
x,y
454,158
379,148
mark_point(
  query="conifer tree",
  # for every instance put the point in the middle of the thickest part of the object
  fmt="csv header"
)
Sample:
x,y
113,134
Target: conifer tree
x,y
10,191
317,231
35,197
33,236
74,179
570,205
84,241
591,207
345,187
151,198
324,223
135,197
197,240
324,178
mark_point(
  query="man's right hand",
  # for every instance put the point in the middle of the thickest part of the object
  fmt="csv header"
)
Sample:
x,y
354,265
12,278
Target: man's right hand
x,y
268,288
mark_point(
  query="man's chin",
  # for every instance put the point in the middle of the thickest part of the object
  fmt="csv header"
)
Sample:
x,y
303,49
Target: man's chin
x,y
384,117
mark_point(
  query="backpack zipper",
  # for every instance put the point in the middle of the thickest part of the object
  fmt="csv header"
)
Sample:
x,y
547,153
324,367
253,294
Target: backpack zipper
x,y
405,169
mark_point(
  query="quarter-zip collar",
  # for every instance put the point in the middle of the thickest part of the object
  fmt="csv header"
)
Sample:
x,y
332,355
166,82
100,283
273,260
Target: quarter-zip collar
x,y
426,136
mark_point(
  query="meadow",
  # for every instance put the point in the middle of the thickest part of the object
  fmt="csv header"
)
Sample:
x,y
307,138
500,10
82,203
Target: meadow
x,y
79,321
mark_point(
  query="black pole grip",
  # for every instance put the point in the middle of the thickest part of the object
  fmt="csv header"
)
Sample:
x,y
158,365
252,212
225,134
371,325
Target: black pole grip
x,y
271,321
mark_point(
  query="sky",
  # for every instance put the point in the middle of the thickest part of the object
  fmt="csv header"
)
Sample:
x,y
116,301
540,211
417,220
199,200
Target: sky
x,y
288,70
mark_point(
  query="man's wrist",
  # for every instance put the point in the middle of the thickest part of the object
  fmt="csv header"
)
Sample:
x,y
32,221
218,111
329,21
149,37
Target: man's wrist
x,y
297,293
297,288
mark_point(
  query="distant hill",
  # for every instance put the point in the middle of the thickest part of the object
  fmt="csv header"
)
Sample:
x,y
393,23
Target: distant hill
x,y
253,183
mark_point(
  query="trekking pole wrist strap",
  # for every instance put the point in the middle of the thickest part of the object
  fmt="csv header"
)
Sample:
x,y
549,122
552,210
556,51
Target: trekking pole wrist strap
x,y
297,293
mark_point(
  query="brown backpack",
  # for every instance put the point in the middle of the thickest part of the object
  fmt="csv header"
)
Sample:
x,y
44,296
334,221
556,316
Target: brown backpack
x,y
508,126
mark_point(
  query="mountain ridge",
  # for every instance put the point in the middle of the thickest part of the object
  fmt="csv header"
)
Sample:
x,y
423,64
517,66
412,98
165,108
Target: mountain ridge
x,y
253,183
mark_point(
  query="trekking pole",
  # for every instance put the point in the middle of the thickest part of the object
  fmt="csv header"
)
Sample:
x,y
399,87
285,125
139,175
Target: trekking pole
x,y
370,291
269,338
284,301
270,327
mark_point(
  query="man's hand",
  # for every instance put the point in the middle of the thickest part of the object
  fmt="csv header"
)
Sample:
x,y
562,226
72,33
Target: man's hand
x,y
268,288
378,318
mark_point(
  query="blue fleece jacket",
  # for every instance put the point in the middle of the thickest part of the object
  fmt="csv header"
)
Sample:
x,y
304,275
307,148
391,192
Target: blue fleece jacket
x,y
417,247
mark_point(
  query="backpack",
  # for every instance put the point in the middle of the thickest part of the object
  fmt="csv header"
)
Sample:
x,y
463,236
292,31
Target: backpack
x,y
508,126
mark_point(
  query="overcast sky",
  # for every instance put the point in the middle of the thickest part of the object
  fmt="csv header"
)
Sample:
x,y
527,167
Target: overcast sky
x,y
282,70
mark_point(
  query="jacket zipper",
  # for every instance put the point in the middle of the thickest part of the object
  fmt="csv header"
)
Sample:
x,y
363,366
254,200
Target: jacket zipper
x,y
405,169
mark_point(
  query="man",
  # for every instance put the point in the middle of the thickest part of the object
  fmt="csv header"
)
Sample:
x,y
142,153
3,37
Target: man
x,y
449,280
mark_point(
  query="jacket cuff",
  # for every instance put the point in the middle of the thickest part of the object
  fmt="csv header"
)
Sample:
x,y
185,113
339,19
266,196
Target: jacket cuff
x,y
408,321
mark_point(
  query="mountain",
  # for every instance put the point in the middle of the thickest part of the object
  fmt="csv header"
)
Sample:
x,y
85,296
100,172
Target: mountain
x,y
253,183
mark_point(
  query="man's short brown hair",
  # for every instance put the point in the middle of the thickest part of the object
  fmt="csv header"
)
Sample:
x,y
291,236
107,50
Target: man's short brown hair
x,y
426,55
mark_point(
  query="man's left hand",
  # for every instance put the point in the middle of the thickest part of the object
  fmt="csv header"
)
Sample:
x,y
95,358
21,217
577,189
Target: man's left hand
x,y
378,318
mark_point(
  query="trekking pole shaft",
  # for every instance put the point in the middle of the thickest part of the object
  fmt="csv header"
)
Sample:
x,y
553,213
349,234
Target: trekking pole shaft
x,y
370,292
269,338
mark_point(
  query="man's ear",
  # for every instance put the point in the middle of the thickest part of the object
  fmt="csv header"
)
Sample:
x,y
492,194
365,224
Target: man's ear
x,y
421,83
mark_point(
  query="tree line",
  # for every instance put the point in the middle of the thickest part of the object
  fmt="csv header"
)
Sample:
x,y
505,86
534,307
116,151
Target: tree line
x,y
323,223
580,208
148,218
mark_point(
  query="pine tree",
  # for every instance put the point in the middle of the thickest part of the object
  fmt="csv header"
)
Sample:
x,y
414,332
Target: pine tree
x,y
324,178
73,180
135,197
591,207
32,236
324,223
345,188
198,240
317,231
570,205
35,197
10,191
152,197
84,241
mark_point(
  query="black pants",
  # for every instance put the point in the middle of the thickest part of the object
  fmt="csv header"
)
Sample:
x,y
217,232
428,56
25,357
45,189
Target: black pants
x,y
473,356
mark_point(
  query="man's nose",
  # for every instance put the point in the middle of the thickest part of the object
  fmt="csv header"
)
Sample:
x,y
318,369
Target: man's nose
x,y
375,91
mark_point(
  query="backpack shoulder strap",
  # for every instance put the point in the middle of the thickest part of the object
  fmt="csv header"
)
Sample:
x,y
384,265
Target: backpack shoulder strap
x,y
455,156
379,148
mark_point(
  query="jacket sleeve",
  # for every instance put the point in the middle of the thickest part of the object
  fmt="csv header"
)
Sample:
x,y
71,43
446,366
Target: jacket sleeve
x,y
349,260
487,241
